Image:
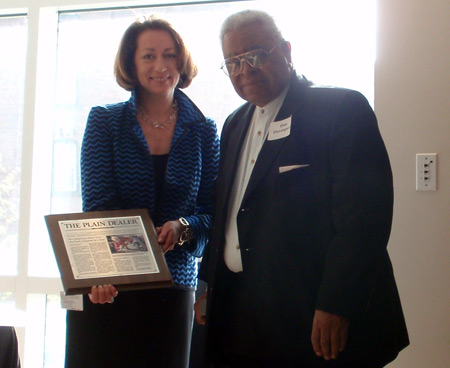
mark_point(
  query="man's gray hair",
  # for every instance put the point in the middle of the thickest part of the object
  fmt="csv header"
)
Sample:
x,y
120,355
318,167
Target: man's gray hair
x,y
242,18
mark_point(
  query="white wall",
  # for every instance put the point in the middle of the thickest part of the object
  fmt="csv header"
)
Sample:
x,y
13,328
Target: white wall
x,y
412,102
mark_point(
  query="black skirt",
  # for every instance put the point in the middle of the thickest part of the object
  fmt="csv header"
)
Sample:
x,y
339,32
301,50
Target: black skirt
x,y
150,328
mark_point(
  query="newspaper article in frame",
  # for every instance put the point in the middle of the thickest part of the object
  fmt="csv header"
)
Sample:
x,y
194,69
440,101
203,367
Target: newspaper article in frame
x,y
114,247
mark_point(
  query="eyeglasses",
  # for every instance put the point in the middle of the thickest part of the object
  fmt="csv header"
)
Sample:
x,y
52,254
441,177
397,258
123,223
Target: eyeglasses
x,y
255,58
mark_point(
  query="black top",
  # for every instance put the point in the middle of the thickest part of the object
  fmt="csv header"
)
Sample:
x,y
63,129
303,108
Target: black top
x,y
160,164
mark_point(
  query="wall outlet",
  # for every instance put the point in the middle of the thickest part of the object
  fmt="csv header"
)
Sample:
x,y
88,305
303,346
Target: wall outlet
x,y
426,171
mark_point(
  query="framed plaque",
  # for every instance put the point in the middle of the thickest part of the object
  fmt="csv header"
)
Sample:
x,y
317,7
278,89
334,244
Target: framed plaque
x,y
116,247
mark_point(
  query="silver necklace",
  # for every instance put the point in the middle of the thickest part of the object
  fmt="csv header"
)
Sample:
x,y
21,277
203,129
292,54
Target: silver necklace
x,y
156,123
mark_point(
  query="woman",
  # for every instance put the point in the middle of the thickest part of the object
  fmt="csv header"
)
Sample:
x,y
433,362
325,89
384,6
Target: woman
x,y
155,151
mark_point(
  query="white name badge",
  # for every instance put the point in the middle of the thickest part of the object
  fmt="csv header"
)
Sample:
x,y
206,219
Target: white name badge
x,y
71,302
280,129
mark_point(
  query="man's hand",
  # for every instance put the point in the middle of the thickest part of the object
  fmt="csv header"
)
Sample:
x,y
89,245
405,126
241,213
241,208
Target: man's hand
x,y
200,311
329,334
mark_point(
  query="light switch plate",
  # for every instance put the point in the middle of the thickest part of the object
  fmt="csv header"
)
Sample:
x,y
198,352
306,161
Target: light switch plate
x,y
426,171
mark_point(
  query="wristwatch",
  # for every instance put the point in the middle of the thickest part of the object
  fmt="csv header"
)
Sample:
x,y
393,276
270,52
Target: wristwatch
x,y
187,233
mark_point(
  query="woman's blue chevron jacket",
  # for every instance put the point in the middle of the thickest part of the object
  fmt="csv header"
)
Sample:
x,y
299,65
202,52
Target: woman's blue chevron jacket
x,y
117,173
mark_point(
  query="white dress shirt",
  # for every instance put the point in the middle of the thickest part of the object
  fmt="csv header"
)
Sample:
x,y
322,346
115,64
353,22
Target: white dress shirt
x,y
256,135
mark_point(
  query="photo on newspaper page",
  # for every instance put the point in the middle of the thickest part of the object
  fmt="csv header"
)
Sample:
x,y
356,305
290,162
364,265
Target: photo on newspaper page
x,y
116,247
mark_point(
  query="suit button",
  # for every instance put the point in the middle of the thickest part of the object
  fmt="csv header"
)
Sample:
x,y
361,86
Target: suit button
x,y
238,247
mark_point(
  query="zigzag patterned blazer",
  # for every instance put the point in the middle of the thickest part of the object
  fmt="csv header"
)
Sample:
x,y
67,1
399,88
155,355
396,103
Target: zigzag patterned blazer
x,y
117,173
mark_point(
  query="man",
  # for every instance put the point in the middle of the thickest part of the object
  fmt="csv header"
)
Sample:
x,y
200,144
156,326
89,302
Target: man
x,y
298,272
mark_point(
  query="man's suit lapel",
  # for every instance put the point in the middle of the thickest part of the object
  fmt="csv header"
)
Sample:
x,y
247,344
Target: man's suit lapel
x,y
266,157
270,149
235,140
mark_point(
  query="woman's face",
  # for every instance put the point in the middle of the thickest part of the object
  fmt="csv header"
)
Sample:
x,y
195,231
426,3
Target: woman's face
x,y
156,61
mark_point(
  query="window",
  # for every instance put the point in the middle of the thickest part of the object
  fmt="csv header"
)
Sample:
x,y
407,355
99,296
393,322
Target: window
x,y
13,37
70,54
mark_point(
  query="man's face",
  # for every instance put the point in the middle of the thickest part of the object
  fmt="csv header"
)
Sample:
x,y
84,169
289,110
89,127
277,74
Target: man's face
x,y
261,85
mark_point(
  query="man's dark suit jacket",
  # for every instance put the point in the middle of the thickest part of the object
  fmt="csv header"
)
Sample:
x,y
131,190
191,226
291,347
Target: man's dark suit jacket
x,y
315,236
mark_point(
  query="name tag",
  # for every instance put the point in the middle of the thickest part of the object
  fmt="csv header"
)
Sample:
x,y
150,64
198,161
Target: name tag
x,y
280,129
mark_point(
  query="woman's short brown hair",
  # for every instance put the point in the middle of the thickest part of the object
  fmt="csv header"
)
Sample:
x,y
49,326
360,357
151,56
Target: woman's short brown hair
x,y
124,67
